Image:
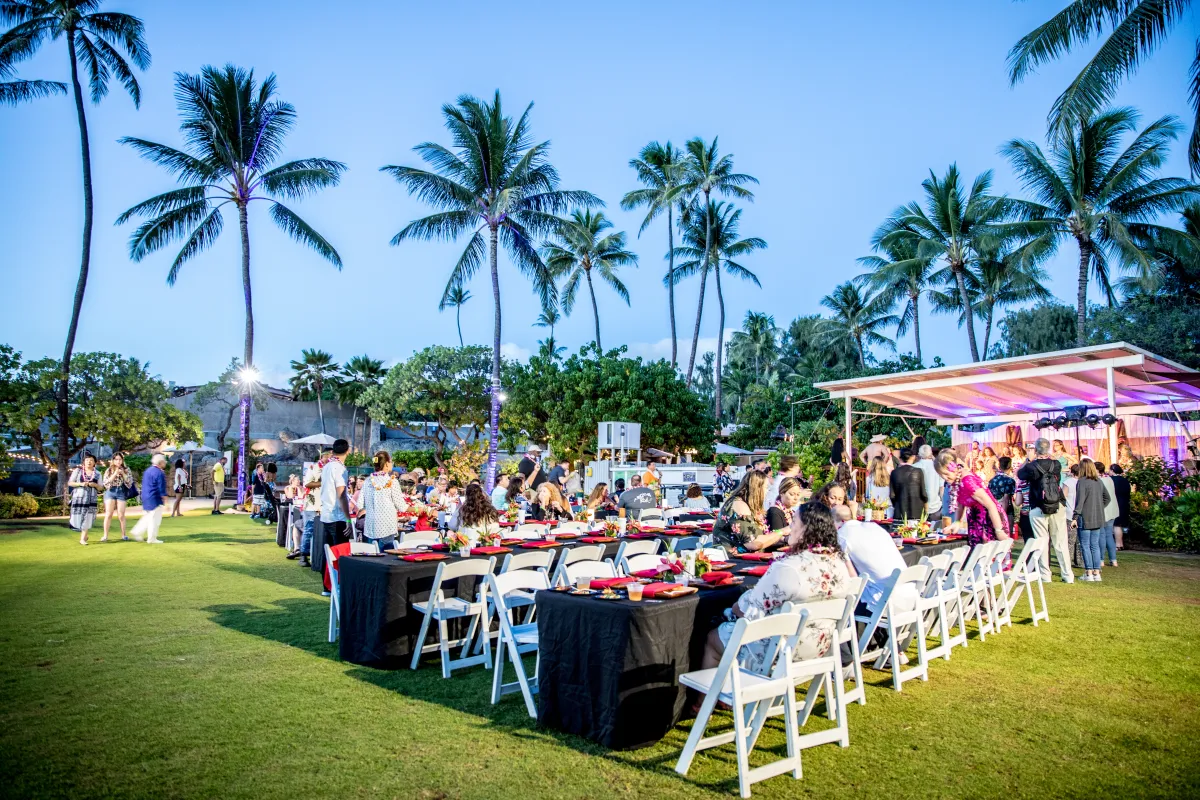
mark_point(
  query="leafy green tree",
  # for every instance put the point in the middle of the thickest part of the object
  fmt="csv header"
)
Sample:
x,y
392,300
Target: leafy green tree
x,y
1042,329
1090,190
315,372
1137,28
736,383
660,169
857,318
1161,324
711,242
455,298
358,375
705,173
233,132
805,350
446,388
580,248
223,392
952,227
500,188
1178,256
901,276
97,39
564,401
705,384
757,342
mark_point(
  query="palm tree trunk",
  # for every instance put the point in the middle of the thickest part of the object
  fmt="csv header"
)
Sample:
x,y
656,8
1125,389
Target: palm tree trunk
x,y
458,322
671,280
862,354
961,280
320,411
720,341
700,305
595,311
489,480
247,355
987,332
1085,260
367,432
353,425
696,330
916,304
62,405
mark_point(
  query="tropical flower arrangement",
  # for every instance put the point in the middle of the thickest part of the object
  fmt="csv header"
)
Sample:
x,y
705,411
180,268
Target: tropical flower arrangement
x,y
693,562
581,515
873,509
457,540
914,529
489,537
611,527
633,526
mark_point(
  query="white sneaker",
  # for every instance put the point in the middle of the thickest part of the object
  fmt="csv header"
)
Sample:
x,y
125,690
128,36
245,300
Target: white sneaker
x,y
903,660
1068,578
1097,579
154,541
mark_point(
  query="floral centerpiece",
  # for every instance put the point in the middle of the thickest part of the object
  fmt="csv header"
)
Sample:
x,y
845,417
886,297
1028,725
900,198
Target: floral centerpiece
x,y
633,526
512,513
582,514
914,529
489,537
457,540
873,509
611,527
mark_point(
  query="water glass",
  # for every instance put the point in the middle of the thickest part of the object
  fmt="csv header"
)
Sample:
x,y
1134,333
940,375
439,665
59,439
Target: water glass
x,y
635,592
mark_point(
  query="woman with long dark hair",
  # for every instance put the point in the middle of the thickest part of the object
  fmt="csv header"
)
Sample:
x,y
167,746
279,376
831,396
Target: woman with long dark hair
x,y
478,516
741,522
84,483
118,486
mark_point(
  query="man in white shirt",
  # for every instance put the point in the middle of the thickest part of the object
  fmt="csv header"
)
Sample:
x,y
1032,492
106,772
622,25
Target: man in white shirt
x,y
335,502
875,557
933,483
789,467
500,493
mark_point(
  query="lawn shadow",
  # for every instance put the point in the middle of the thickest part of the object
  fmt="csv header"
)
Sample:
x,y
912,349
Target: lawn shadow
x,y
220,538
296,622
301,579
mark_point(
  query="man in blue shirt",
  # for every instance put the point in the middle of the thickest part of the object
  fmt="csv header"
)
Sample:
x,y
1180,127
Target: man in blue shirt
x,y
154,499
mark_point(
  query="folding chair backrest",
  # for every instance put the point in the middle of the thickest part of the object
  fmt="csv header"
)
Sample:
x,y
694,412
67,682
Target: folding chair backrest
x,y
652,523
915,576
413,537
1027,562
629,549
979,555
589,569
716,554
526,580
675,512
681,543
533,559
954,568
464,568
937,571
572,527
833,610
362,548
532,528
642,561
649,514
584,552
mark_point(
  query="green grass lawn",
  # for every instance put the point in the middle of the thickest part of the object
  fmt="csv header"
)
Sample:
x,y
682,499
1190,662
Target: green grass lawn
x,y
199,668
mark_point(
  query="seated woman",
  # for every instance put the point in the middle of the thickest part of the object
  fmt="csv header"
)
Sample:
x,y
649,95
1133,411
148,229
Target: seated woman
x,y
549,504
515,493
741,521
814,569
695,499
599,499
831,495
780,515
478,516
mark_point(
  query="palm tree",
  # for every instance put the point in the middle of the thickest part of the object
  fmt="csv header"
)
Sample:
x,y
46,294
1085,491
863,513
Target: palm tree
x,y
499,187
1138,27
233,133
549,317
578,250
706,172
313,372
757,341
1178,254
1104,198
857,318
660,167
711,243
901,276
358,375
454,298
735,385
951,227
97,39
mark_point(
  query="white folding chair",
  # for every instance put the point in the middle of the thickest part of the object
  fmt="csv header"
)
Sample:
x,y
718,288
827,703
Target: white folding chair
x,y
652,524
745,691
649,514
681,543
631,564
419,537
952,597
572,527
671,513
821,673
335,596
848,638
973,590
536,560
1027,573
530,531
441,609
588,569
583,552
635,547
933,605
998,583
899,622
515,640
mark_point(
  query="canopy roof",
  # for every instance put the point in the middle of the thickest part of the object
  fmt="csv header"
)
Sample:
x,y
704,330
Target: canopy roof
x,y
1010,389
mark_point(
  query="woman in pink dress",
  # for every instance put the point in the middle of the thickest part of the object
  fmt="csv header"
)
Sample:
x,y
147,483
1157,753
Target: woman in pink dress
x,y
980,514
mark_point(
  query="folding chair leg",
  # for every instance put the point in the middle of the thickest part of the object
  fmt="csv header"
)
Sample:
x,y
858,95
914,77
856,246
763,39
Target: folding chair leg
x,y
420,645
498,673
470,638
693,741
444,647
792,734
743,755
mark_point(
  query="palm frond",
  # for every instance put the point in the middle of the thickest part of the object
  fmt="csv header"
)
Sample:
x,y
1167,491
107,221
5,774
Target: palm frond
x,y
303,233
201,239
297,179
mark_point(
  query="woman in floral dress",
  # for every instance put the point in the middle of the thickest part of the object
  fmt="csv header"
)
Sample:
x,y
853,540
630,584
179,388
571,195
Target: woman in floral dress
x,y
741,523
815,569
978,512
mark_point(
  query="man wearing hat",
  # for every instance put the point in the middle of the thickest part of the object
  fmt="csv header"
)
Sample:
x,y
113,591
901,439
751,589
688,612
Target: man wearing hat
x,y
875,448
531,467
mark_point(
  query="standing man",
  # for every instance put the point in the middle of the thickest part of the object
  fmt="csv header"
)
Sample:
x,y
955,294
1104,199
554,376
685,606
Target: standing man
x,y
933,483
875,448
531,468
906,486
1047,512
154,500
218,479
335,501
789,467
558,475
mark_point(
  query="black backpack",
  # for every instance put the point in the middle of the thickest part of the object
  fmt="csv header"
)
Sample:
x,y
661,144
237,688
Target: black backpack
x,y
1049,491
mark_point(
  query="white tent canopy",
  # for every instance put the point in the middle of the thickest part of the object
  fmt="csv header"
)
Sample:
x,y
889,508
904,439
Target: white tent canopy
x,y
316,438
1117,378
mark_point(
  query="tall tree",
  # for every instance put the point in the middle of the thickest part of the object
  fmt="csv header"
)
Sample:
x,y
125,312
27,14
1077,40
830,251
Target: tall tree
x,y
15,90
706,172
499,187
757,342
711,243
233,132
1088,189
857,318
314,372
223,393
549,317
580,248
455,298
901,277
660,168
97,39
1137,28
952,227
357,376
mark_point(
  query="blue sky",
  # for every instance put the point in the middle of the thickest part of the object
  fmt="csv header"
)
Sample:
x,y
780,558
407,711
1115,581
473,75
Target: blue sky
x,y
840,110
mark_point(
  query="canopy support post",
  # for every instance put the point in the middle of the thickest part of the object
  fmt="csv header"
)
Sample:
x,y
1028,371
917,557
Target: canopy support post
x,y
1112,409
849,425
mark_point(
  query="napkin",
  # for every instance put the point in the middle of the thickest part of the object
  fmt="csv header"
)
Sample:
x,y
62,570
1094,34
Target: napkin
x,y
491,550
639,536
540,545
647,573
760,570
511,541
717,576
439,546
597,539
757,556
606,583
650,590
423,557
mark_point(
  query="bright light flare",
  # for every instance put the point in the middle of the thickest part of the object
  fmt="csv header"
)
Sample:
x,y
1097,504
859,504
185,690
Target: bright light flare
x,y
248,375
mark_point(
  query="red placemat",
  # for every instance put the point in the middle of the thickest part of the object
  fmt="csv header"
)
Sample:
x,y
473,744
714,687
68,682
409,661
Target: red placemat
x,y
489,551
757,556
647,573
598,539
605,583
760,570
651,589
539,545
640,535
717,576
423,557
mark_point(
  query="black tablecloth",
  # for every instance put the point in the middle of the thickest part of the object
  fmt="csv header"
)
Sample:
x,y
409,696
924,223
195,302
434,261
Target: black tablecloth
x,y
281,527
318,546
912,552
610,669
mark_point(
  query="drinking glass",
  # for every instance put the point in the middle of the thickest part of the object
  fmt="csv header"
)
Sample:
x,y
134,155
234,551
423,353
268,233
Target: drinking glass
x,y
635,592
583,584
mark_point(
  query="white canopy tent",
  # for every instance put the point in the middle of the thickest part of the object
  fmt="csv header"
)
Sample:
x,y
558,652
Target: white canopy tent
x,y
1116,378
